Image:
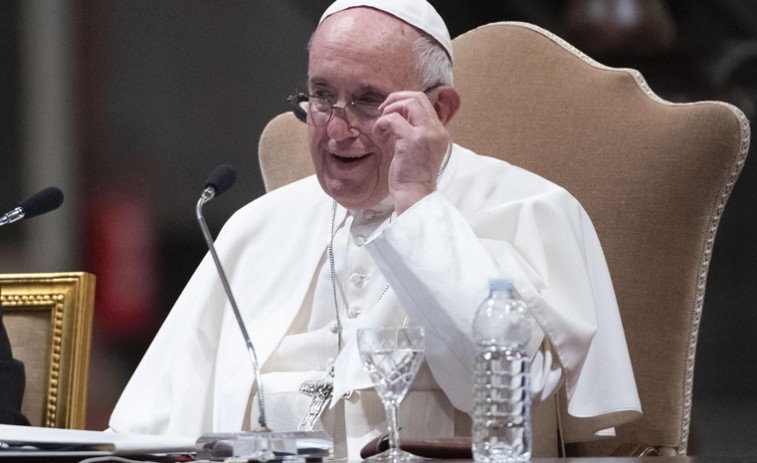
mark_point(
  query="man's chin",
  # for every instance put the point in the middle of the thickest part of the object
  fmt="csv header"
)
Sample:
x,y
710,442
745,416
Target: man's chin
x,y
354,197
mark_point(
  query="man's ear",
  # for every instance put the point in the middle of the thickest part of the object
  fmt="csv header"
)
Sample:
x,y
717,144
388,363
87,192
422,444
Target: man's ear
x,y
447,103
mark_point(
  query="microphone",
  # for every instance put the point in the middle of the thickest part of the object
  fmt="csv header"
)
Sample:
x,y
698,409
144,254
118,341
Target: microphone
x,y
37,204
220,180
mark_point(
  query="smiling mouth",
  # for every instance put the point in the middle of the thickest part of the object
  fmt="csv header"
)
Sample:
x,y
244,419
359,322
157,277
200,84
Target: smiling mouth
x,y
349,159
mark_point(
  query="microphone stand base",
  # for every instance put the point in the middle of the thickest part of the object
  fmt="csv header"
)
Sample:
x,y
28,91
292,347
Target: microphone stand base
x,y
265,446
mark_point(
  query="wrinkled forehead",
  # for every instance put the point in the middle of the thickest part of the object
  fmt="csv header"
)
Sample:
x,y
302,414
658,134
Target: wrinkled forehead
x,y
366,28
367,41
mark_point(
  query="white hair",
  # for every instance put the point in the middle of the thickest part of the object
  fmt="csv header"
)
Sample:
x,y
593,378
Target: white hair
x,y
432,61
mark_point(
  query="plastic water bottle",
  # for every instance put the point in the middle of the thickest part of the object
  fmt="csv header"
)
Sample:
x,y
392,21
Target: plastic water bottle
x,y
501,383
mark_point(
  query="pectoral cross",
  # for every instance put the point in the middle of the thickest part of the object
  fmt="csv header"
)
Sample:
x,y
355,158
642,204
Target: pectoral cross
x,y
320,392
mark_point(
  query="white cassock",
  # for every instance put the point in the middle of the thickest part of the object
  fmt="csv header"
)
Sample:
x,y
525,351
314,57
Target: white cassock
x,y
488,219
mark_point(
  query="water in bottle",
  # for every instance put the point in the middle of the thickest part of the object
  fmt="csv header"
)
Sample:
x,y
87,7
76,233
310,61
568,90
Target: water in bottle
x,y
501,383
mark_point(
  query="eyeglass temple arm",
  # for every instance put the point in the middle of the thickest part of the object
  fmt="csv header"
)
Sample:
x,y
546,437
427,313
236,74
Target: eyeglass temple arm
x,y
294,101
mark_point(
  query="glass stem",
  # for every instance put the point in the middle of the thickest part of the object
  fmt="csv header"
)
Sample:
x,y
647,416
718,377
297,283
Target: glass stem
x,y
394,431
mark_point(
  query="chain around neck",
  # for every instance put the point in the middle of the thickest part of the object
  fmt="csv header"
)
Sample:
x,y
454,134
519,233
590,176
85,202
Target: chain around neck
x,y
330,251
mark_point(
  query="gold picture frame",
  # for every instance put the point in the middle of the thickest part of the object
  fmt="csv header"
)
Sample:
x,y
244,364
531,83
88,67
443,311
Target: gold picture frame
x,y
48,317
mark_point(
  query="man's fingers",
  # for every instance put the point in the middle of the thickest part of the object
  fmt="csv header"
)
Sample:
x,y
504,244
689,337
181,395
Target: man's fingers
x,y
391,121
411,105
399,96
393,125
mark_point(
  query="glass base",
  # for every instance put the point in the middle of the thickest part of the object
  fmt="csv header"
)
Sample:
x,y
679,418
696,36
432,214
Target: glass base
x,y
393,455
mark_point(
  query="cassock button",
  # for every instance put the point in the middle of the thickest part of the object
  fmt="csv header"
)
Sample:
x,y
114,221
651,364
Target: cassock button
x,y
359,240
333,327
352,312
356,278
369,214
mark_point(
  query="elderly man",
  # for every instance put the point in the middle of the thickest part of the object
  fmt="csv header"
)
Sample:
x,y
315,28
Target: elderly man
x,y
398,226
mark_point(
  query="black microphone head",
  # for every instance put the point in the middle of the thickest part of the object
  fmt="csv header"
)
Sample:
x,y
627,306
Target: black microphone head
x,y
222,178
42,202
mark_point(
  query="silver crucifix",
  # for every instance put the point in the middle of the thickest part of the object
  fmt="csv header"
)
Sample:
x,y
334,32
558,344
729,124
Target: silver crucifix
x,y
320,392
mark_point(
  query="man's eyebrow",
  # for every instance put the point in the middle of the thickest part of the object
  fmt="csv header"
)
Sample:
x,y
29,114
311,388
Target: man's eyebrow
x,y
360,90
366,89
317,81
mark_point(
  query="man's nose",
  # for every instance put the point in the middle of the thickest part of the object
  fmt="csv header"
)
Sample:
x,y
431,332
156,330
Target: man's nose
x,y
339,127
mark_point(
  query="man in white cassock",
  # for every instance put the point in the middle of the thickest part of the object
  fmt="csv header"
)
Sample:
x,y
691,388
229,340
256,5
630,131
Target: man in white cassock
x,y
418,226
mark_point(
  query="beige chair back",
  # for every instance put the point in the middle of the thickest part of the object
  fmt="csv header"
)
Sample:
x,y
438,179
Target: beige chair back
x,y
653,176
283,152
48,317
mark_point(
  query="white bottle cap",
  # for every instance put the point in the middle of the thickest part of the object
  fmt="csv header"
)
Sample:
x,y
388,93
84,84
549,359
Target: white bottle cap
x,y
501,284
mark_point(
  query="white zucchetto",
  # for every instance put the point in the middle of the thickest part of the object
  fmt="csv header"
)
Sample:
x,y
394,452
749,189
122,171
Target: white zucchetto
x,y
418,13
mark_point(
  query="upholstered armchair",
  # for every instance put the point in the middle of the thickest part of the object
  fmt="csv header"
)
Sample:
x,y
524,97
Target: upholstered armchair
x,y
654,177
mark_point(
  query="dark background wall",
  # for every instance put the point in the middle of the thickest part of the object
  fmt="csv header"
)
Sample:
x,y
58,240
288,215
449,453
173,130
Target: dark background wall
x,y
160,92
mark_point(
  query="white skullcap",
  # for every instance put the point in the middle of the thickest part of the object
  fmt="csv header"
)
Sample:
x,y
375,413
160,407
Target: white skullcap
x,y
417,13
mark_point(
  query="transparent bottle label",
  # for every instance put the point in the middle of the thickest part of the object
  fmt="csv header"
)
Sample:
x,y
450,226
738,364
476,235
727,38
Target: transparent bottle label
x,y
502,410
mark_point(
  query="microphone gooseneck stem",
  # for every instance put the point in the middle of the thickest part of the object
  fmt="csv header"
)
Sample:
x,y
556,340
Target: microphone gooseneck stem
x,y
12,216
207,195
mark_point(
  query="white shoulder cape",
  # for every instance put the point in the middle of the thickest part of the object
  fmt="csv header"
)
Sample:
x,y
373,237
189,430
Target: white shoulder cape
x,y
488,219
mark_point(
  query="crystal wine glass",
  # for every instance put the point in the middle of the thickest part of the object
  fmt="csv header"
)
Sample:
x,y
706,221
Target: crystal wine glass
x,y
392,356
